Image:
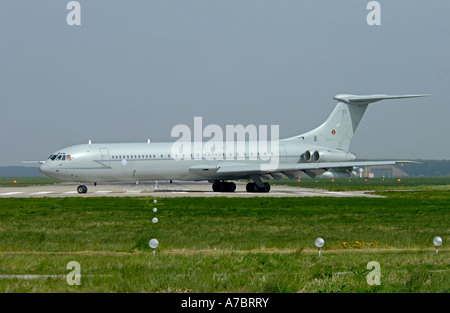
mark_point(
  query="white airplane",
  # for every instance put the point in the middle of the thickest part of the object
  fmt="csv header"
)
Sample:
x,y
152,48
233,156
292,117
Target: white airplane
x,y
321,151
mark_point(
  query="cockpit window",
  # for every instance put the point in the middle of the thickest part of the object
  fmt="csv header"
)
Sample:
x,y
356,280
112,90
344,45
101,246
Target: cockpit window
x,y
60,157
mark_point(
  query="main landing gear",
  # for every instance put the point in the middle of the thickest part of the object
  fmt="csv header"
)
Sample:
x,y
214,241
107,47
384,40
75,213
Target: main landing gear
x,y
253,187
82,189
223,186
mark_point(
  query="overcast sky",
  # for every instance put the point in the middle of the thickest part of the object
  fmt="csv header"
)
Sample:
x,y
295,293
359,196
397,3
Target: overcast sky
x,y
134,69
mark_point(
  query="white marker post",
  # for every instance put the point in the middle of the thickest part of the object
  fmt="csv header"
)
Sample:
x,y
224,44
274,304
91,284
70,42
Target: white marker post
x,y
319,242
437,241
153,243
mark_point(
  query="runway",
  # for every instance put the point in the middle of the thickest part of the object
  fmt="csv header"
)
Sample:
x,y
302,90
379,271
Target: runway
x,y
165,189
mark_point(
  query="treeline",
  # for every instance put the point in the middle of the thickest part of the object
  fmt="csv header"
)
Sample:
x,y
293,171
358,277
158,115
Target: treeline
x,y
19,171
427,168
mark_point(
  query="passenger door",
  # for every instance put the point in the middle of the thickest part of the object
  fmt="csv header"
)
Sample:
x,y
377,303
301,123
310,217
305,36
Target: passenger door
x,y
104,152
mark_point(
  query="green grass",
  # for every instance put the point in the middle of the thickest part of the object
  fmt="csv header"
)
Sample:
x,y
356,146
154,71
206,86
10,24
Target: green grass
x,y
227,244
375,184
26,181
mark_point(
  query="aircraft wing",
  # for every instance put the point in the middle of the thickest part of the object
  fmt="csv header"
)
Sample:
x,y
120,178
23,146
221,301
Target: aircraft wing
x,y
33,162
292,171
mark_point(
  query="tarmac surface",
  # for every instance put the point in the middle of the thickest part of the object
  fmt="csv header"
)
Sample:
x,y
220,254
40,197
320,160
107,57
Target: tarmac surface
x,y
165,189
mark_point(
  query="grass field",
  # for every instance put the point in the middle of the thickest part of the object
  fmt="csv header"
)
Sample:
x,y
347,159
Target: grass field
x,y
227,244
378,183
26,181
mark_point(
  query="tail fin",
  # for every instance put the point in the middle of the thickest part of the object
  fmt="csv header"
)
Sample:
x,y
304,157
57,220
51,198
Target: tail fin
x,y
337,131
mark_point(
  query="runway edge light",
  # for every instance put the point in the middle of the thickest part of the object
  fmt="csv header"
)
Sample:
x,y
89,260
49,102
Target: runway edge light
x,y
437,241
319,242
153,243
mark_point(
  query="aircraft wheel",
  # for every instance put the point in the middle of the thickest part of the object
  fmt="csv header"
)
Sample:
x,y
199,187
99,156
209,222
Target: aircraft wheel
x,y
82,189
231,187
216,186
224,186
252,187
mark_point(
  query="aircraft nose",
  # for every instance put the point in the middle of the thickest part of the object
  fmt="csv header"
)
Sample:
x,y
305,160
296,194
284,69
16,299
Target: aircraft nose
x,y
44,169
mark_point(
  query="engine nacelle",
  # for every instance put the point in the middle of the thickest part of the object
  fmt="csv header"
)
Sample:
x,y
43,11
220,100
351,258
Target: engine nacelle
x,y
336,174
328,156
307,156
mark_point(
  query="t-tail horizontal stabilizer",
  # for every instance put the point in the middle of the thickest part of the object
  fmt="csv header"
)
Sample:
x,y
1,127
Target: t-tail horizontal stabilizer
x,y
371,98
337,131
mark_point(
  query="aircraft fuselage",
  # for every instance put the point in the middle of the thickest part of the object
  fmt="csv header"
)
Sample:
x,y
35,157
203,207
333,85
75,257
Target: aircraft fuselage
x,y
156,161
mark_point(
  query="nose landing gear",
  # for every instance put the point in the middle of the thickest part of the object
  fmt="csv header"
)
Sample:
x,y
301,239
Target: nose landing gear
x,y
82,189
